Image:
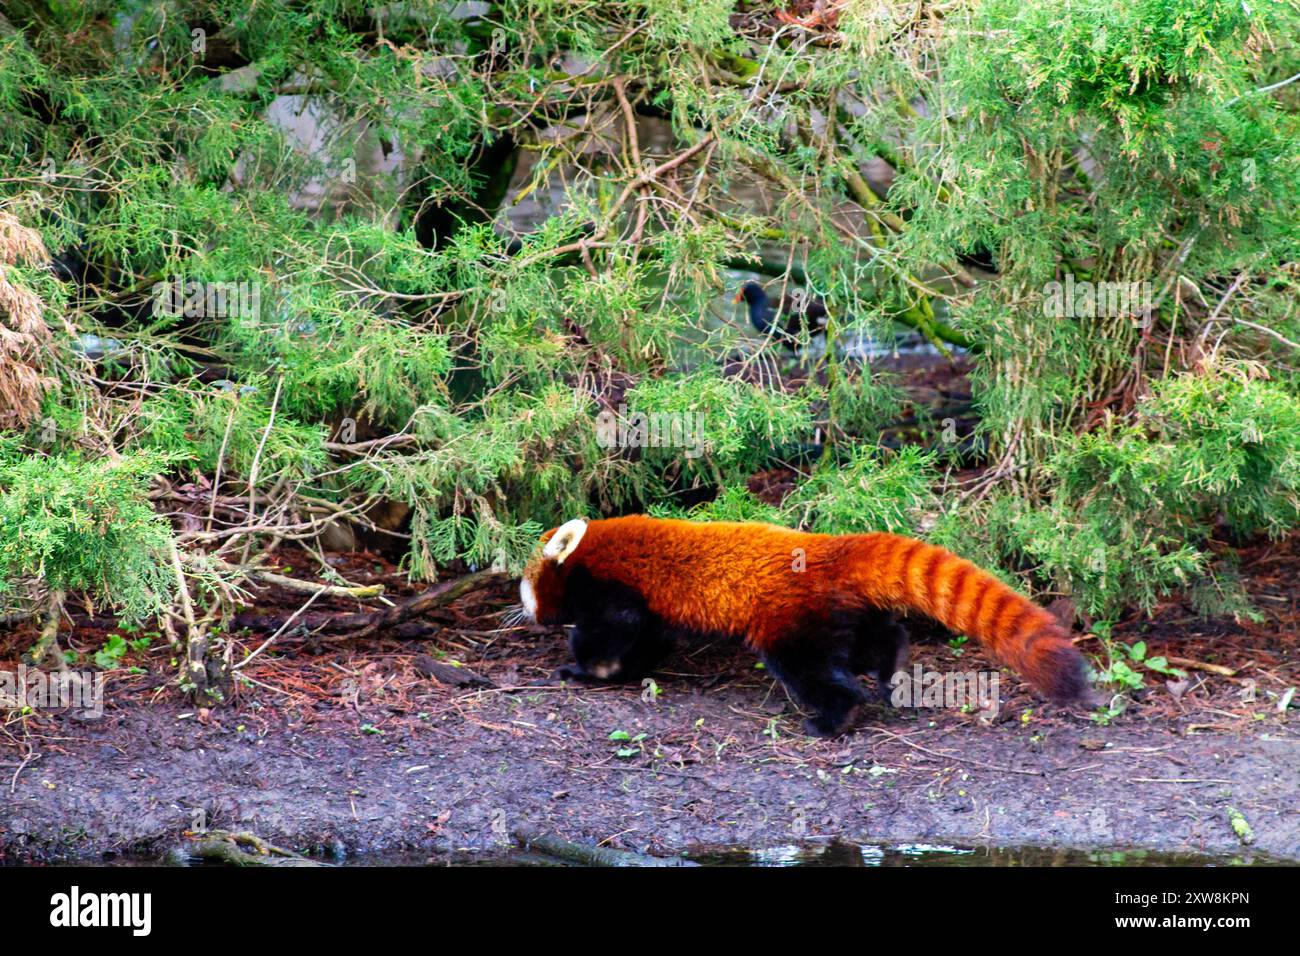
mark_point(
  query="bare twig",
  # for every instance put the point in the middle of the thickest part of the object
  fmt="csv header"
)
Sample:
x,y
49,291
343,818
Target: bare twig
x,y
434,597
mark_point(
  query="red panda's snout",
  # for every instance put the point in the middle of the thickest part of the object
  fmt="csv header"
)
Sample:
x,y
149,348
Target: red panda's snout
x,y
541,589
528,592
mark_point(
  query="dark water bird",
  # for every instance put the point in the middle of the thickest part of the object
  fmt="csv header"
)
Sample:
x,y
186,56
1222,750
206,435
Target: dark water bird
x,y
786,320
980,257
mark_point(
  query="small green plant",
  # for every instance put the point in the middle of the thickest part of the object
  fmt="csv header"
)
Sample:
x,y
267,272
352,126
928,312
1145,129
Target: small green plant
x,y
1241,826
1129,662
1138,653
1127,670
1119,672
633,746
109,657
1111,710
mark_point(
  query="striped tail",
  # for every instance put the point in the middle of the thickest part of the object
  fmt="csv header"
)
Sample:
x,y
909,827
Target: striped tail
x,y
900,572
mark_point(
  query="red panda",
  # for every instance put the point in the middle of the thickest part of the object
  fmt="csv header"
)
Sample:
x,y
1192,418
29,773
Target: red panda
x,y
816,607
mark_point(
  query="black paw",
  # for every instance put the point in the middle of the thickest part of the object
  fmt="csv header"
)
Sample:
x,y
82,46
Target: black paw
x,y
574,674
824,727
884,692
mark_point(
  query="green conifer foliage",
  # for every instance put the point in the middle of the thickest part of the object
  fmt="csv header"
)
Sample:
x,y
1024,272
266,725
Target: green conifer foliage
x,y
456,247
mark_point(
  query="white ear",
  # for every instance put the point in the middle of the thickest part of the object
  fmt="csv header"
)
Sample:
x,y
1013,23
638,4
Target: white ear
x,y
565,539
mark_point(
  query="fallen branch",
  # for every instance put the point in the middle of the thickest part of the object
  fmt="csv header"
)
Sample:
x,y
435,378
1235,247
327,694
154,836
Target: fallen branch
x,y
562,849
329,622
235,849
436,596
1202,666
331,625
312,587
13,619
297,584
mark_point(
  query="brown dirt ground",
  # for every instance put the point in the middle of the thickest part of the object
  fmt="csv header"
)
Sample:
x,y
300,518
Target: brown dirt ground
x,y
335,747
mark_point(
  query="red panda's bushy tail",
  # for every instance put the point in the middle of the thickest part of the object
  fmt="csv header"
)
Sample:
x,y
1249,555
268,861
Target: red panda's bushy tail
x,y
900,572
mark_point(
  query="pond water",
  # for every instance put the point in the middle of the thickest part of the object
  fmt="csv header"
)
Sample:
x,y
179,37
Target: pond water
x,y
820,854
842,853
922,854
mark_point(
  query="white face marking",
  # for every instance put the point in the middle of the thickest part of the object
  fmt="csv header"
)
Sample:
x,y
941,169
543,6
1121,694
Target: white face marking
x,y
528,597
565,540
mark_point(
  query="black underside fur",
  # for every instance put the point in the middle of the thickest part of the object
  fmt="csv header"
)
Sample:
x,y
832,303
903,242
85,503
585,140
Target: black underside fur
x,y
616,638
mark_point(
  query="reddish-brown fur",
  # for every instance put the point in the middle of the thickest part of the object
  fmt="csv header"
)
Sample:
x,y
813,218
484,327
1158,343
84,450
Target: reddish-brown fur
x,y
762,583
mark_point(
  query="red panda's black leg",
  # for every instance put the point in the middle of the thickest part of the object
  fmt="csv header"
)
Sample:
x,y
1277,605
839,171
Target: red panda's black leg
x,y
615,636
879,649
818,674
